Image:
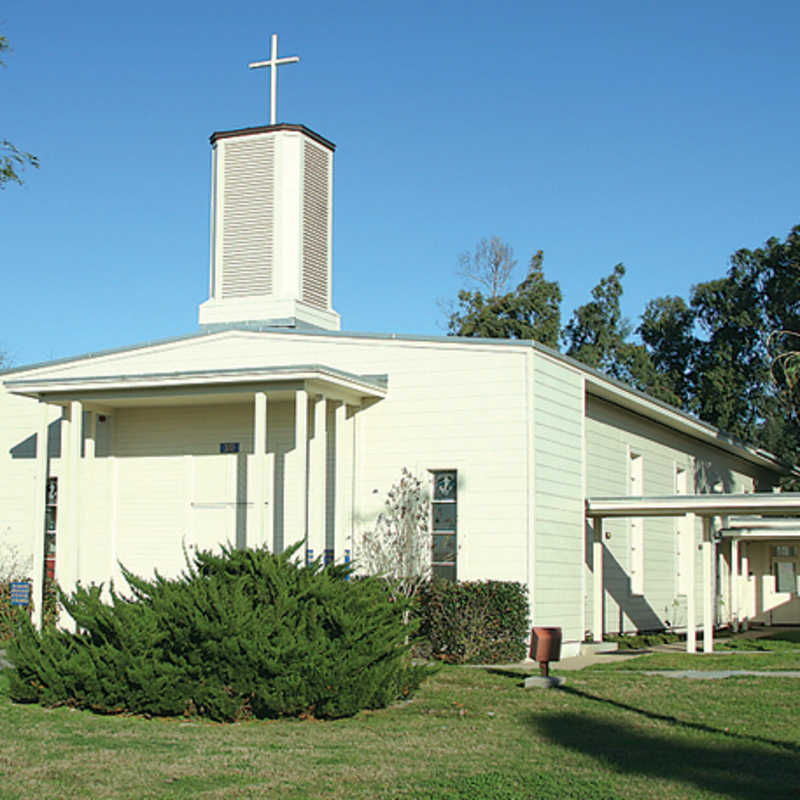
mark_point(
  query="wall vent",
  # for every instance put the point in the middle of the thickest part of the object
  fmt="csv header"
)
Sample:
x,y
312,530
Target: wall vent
x,y
249,199
316,213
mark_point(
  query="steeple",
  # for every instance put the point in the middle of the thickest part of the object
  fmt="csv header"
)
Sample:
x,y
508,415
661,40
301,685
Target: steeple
x,y
271,215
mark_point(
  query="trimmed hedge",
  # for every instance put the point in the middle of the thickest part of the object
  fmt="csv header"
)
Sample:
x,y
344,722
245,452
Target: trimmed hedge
x,y
473,622
237,635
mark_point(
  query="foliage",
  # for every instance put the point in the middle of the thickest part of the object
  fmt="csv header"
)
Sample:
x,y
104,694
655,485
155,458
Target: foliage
x,y
639,641
728,354
531,311
241,634
13,567
398,549
12,159
474,622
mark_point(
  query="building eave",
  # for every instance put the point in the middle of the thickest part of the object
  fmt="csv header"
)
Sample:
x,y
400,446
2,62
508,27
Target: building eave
x,y
708,505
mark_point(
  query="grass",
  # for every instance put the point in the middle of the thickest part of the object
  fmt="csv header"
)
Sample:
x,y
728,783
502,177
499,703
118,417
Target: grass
x,y
468,734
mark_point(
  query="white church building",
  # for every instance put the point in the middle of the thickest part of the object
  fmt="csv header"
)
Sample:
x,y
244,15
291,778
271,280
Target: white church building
x,y
271,425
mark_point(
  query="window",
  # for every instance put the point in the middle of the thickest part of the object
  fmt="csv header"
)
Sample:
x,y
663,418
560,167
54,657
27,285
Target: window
x,y
50,513
445,523
785,576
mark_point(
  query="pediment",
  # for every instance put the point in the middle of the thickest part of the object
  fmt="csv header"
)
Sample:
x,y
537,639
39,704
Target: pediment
x,y
232,364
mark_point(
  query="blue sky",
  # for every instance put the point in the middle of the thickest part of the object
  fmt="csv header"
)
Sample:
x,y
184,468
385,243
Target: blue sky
x,y
659,134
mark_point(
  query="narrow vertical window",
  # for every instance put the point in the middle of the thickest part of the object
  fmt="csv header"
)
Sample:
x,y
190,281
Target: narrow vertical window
x,y
636,489
50,517
445,523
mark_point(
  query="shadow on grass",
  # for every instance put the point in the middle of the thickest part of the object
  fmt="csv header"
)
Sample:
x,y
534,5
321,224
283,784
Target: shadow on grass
x,y
686,724
736,765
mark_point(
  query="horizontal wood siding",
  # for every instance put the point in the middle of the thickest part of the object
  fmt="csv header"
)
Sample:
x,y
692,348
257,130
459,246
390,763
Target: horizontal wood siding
x,y
558,437
19,423
611,434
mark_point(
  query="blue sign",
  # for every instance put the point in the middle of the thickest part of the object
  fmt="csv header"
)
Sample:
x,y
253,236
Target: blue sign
x,y
20,593
229,447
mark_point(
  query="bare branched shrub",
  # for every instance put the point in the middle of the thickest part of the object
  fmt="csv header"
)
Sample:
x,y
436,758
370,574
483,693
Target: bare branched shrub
x,y
398,548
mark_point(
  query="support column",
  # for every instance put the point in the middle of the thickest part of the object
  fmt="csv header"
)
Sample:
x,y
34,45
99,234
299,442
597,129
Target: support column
x,y
598,589
734,584
301,464
708,588
317,469
258,538
339,493
73,488
39,523
745,584
68,532
63,533
90,445
691,589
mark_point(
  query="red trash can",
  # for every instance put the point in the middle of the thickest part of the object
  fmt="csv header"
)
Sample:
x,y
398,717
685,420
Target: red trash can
x,y
545,647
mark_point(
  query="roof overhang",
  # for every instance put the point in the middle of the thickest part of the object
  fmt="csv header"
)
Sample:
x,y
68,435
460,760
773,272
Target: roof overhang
x,y
761,528
781,504
203,386
624,396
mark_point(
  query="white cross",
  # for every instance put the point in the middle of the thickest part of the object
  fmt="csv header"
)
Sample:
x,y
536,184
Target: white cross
x,y
273,62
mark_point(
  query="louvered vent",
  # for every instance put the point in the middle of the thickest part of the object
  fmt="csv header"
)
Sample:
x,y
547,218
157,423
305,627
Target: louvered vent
x,y
316,190
248,231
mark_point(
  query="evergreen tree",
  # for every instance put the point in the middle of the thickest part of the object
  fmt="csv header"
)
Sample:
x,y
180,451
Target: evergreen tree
x,y
531,311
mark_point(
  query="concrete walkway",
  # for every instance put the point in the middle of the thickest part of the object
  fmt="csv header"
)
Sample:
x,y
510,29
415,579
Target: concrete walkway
x,y
697,674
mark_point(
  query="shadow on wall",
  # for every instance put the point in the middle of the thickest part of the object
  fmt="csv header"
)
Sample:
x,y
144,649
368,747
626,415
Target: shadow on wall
x,y
732,765
708,477
618,586
27,447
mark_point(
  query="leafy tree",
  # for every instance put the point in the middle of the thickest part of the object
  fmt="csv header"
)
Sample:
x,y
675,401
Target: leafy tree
x,y
12,159
727,354
666,329
531,311
597,329
599,336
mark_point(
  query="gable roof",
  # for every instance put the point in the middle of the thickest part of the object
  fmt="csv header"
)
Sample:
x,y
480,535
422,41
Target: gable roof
x,y
596,383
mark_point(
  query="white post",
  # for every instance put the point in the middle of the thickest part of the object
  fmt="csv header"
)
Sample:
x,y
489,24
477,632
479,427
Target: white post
x,y
39,525
90,446
73,488
339,509
301,460
708,589
317,467
597,581
691,609
734,587
68,533
744,585
259,463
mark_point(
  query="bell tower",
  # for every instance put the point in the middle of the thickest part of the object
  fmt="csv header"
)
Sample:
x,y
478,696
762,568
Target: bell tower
x,y
271,221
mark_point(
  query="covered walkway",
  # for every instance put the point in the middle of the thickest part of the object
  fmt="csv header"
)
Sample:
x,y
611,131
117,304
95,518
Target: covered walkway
x,y
761,514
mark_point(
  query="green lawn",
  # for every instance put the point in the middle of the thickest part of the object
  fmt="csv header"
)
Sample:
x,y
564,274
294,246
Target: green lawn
x,y
468,734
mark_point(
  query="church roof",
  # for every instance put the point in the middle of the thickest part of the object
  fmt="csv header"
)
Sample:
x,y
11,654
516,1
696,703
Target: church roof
x,y
281,126
597,383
